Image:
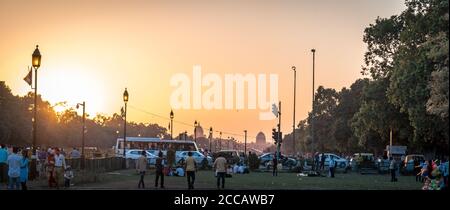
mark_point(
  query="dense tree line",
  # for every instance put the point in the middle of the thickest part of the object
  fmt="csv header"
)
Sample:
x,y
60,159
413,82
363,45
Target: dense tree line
x,y
406,89
62,129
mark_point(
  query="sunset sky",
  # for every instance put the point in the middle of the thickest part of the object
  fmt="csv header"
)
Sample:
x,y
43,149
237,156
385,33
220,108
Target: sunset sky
x,y
91,50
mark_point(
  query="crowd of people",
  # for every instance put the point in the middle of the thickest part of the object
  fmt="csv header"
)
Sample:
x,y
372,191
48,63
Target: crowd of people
x,y
15,163
14,167
187,168
433,173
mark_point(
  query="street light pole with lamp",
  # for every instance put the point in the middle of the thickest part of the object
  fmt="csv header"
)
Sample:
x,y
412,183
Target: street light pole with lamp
x,y
36,63
313,95
125,100
210,138
171,124
293,122
245,143
195,131
82,132
220,141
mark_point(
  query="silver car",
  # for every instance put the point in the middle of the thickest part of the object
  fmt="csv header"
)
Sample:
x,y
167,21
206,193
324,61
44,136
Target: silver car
x,y
198,157
136,153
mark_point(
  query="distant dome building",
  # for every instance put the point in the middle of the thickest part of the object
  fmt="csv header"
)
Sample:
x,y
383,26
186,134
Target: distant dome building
x,y
199,131
260,138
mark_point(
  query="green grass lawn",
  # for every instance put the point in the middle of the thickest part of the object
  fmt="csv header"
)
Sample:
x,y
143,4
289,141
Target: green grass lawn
x,y
128,179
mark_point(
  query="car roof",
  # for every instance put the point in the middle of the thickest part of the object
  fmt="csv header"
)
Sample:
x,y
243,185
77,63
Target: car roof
x,y
415,155
362,153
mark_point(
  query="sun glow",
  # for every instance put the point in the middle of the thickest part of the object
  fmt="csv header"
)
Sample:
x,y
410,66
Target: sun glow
x,y
73,86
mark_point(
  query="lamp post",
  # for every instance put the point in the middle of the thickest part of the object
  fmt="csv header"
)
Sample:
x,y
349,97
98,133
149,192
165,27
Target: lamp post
x,y
220,141
36,63
195,131
293,121
125,100
171,124
313,92
210,138
82,132
245,142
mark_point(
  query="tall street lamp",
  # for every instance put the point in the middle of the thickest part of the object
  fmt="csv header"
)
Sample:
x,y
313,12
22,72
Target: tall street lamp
x,y
36,63
210,138
195,131
313,92
293,121
171,124
245,143
82,132
220,141
125,100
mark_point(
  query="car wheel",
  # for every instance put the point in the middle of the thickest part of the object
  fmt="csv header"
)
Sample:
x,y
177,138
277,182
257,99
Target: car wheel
x,y
342,165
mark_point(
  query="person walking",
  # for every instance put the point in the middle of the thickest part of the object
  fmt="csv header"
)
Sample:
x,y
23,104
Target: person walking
x,y
51,169
14,169
159,170
322,161
171,157
190,168
3,164
42,157
444,171
220,166
316,162
24,170
141,167
60,165
392,169
331,166
275,165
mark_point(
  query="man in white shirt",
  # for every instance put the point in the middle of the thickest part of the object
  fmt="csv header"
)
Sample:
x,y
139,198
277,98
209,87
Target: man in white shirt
x,y
331,166
14,169
60,165
75,153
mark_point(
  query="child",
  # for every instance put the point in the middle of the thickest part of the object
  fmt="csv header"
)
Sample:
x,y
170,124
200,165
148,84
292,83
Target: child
x,y
68,175
229,172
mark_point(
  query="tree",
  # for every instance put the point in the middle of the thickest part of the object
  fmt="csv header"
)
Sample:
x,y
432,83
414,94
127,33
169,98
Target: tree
x,y
376,117
405,50
349,104
437,104
326,100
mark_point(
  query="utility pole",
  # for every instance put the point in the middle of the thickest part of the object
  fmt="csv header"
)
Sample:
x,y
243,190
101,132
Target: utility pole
x,y
279,130
293,122
313,95
245,143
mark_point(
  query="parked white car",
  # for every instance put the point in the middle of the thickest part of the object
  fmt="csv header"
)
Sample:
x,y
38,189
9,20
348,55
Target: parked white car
x,y
198,157
136,153
341,162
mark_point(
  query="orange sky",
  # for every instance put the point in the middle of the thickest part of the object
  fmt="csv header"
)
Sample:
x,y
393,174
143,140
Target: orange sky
x,y
91,50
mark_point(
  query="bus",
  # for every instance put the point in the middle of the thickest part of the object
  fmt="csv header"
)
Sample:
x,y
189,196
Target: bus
x,y
154,145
